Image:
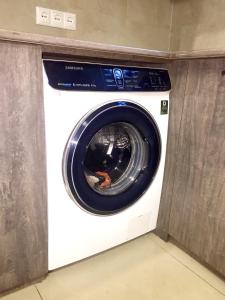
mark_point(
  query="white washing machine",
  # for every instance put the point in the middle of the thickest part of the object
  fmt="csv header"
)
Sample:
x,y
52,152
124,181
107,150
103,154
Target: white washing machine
x,y
106,133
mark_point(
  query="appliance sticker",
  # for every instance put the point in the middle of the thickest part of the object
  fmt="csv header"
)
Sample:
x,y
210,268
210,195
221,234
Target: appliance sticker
x,y
164,107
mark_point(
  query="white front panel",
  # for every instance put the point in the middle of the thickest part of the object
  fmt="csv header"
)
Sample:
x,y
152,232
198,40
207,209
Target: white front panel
x,y
74,233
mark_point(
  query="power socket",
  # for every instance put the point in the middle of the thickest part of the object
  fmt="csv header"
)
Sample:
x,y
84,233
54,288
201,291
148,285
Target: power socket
x,y
43,16
55,18
70,21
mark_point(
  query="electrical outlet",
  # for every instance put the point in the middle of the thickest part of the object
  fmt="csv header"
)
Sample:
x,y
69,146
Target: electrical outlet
x,y
57,18
70,21
42,16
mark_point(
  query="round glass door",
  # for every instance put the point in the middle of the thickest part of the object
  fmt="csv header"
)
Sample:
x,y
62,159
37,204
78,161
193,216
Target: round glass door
x,y
111,157
115,156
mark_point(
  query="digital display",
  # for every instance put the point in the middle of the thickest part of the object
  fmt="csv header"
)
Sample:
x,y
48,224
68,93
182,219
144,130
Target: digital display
x,y
94,77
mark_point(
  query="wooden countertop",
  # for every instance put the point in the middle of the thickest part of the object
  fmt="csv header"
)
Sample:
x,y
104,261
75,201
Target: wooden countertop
x,y
100,50
85,48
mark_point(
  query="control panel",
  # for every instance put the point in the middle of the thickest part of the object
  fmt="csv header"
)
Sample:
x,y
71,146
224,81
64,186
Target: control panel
x,y
63,75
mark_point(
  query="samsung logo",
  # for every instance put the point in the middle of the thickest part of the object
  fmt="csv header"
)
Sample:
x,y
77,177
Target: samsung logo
x,y
75,68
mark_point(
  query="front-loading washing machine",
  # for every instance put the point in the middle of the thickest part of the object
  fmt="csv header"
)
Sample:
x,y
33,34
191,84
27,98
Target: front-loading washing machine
x,y
106,133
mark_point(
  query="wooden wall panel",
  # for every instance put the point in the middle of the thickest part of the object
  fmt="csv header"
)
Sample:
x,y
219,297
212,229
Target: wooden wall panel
x,y
197,219
23,202
178,75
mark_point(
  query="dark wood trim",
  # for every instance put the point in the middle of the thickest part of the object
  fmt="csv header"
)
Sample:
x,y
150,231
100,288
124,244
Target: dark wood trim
x,y
23,193
178,73
196,216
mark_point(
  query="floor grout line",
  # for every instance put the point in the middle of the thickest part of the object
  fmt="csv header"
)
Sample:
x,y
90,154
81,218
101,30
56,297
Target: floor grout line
x,y
38,292
190,269
198,275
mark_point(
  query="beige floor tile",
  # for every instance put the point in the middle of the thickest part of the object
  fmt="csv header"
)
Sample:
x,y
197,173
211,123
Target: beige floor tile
x,y
29,293
191,263
140,269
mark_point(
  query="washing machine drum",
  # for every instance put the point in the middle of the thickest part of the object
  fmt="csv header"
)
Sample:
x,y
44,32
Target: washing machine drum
x,y
111,157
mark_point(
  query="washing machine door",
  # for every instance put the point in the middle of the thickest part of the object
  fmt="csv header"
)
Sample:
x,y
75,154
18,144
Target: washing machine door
x,y
111,157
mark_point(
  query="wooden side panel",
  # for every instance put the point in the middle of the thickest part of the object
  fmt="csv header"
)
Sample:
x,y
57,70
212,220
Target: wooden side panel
x,y
197,219
178,74
23,202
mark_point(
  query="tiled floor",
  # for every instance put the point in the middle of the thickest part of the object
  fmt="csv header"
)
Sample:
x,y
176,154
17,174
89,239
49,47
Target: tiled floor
x,y
146,268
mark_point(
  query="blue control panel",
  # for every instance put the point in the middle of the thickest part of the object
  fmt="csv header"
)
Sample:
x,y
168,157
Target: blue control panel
x,y
76,76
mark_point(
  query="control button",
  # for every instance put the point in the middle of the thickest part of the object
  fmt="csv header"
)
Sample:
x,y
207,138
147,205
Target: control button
x,y
118,75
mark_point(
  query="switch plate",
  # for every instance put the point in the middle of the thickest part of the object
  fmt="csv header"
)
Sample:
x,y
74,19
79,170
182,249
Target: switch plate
x,y
42,16
69,21
57,18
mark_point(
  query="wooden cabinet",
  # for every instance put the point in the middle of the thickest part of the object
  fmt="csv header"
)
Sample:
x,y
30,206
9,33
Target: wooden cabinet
x,y
23,205
193,201
192,208
176,108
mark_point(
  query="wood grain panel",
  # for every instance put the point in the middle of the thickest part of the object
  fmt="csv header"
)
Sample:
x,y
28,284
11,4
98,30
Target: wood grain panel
x,y
178,75
23,202
197,219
